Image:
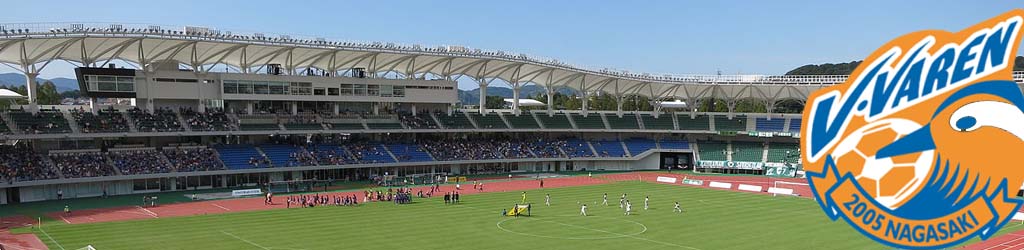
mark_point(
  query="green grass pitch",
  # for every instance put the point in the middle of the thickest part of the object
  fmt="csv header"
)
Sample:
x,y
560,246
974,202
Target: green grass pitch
x,y
713,219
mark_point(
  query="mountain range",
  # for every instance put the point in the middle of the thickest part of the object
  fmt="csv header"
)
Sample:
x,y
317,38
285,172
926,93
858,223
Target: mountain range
x,y
17,79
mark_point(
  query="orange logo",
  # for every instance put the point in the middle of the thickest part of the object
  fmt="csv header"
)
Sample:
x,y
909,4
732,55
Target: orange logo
x,y
918,148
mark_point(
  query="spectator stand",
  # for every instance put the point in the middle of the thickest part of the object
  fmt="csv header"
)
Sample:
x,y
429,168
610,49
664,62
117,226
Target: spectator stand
x,y
189,158
132,161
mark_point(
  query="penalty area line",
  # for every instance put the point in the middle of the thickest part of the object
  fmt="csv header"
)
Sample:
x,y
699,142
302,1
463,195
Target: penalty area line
x,y
244,240
51,238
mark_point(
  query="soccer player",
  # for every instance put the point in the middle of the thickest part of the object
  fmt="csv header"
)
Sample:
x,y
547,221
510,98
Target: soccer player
x,y
583,209
524,197
67,210
605,202
622,202
678,209
629,208
646,200
547,199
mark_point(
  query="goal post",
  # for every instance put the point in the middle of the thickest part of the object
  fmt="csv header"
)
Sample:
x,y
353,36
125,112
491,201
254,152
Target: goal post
x,y
788,188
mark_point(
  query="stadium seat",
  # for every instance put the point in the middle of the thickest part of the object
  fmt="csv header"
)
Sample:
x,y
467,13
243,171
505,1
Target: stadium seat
x,y
699,122
663,122
627,121
794,125
592,121
737,123
783,152
522,121
764,125
712,151
637,146
43,122
490,121
456,120
241,156
611,148
748,151
283,155
409,152
557,121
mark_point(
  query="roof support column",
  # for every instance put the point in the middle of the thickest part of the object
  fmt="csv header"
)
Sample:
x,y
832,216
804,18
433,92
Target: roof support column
x,y
515,98
33,89
551,102
483,95
585,102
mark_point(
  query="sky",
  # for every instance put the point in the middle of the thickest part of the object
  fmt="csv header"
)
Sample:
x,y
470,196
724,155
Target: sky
x,y
678,37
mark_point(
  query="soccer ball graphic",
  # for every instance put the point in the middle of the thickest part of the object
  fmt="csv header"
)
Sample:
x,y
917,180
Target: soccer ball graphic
x,y
891,180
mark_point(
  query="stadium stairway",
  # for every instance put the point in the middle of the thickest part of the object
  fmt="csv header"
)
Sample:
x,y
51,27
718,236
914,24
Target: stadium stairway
x,y
613,148
237,156
72,124
794,125
404,152
281,155
576,148
637,146
11,126
117,170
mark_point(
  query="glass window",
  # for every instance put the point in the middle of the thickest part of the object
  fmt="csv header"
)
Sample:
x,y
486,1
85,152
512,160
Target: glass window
x,y
278,88
244,87
260,88
230,87
399,91
319,91
107,86
125,87
332,91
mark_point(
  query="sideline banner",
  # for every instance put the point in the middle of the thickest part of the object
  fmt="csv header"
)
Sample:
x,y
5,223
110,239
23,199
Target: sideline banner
x,y
747,165
246,192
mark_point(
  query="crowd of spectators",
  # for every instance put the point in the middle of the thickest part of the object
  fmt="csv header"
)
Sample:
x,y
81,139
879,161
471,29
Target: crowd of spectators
x,y
212,120
42,122
455,150
104,121
367,152
161,120
20,163
421,121
194,159
331,155
548,148
301,158
139,162
76,165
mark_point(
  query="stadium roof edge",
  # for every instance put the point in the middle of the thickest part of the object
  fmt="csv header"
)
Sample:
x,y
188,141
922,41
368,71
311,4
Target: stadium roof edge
x,y
31,46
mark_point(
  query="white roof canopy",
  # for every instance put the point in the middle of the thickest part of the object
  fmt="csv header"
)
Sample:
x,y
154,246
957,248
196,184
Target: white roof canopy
x,y
32,46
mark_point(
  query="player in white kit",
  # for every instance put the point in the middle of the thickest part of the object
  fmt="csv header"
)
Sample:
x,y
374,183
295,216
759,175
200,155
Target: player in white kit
x,y
583,210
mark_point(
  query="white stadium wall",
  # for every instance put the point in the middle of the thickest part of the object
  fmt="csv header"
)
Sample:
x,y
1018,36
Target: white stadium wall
x,y
74,190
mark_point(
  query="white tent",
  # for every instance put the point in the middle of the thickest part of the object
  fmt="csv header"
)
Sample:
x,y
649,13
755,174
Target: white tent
x,y
6,94
525,102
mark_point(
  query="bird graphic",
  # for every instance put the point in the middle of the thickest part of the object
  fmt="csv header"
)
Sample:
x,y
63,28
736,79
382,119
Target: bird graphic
x,y
977,134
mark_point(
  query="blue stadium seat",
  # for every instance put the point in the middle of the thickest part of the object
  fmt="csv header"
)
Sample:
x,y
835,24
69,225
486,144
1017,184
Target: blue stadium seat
x,y
238,156
773,125
609,148
638,146
409,152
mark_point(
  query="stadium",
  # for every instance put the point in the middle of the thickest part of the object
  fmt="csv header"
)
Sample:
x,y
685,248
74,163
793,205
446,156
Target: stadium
x,y
189,131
